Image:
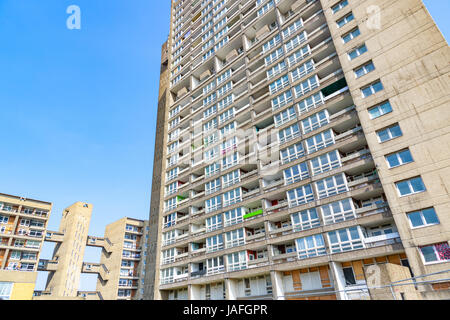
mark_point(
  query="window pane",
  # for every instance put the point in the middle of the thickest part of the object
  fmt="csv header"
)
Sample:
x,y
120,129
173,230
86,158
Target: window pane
x,y
428,254
393,160
417,184
430,216
406,156
415,218
403,188
396,131
383,135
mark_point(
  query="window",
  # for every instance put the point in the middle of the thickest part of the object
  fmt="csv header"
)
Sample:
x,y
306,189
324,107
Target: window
x,y
380,110
290,30
231,178
214,265
212,169
237,261
296,41
213,223
4,219
214,243
289,133
276,70
229,161
372,89
231,197
315,121
399,158
15,255
292,153
326,162
296,173
27,266
338,211
5,290
331,186
389,133
439,252
279,84
213,204
285,116
345,239
212,186
349,276
302,70
339,6
320,141
306,219
299,55
306,86
365,69
310,103
423,218
234,216
311,246
300,196
235,238
357,52
341,22
351,35
282,100
411,186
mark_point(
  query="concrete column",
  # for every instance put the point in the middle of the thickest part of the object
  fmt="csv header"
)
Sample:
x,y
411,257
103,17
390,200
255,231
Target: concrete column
x,y
194,292
338,279
277,285
231,289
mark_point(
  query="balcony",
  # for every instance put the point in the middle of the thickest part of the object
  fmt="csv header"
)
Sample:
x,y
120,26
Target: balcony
x,y
382,240
53,236
47,265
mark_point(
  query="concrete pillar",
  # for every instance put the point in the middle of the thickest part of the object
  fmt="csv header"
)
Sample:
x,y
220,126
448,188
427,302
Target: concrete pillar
x,y
277,285
338,279
231,289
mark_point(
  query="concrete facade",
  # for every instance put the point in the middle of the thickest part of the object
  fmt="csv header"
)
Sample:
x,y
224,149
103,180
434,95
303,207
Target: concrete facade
x,y
68,254
329,95
23,224
124,262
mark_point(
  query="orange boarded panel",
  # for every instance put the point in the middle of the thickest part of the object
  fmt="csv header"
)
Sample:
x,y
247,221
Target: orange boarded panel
x,y
380,259
358,270
324,277
395,258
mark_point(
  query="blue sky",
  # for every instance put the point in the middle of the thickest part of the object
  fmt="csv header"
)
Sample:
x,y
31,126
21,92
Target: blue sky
x,y
78,107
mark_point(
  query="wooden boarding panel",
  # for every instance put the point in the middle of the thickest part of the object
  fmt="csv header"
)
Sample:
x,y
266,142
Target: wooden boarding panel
x,y
358,269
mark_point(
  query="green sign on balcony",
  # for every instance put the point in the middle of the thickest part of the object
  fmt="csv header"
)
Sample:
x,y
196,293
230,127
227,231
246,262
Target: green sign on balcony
x,y
254,213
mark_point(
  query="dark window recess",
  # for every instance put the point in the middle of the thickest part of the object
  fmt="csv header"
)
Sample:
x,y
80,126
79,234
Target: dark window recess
x,y
405,263
349,276
336,86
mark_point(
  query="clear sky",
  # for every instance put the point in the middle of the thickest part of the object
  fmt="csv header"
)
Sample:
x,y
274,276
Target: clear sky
x,y
78,107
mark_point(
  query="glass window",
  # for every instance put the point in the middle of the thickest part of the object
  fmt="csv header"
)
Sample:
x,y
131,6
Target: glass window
x,y
345,20
439,252
423,218
5,290
357,52
311,246
380,110
399,158
365,69
339,6
351,35
411,186
389,133
372,89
